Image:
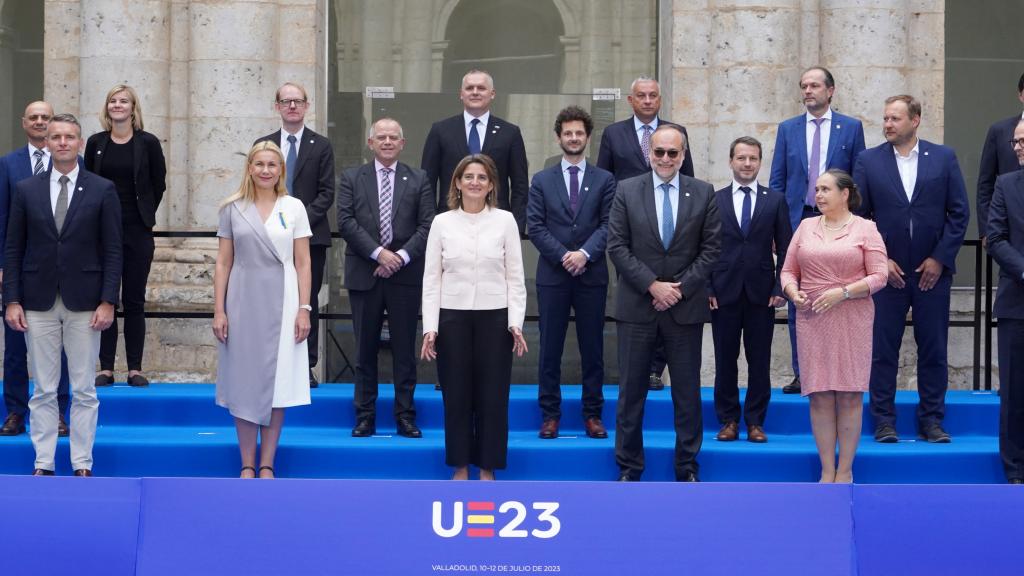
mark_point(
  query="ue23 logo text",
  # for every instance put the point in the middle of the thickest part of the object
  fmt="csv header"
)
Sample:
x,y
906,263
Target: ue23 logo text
x,y
480,520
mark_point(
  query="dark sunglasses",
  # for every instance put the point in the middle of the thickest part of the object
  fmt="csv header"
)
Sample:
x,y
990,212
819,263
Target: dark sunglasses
x,y
659,152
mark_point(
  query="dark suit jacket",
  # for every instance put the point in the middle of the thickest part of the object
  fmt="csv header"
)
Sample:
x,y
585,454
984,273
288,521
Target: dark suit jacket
x,y
446,146
997,158
635,247
359,222
1006,243
149,169
789,163
938,206
83,260
621,154
313,181
554,230
745,264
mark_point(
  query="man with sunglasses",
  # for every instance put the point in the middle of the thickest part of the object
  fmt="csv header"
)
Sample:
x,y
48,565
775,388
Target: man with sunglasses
x,y
662,292
309,176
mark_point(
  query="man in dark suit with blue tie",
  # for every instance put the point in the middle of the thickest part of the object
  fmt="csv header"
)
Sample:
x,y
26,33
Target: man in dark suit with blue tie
x,y
62,278
805,147
663,237
625,152
915,193
385,208
1006,244
34,158
996,159
477,131
744,290
567,216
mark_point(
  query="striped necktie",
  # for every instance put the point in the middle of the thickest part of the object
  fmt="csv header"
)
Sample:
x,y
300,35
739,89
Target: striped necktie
x,y
385,207
38,166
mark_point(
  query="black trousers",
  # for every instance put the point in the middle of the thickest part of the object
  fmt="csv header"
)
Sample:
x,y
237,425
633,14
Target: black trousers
x,y
1011,397
138,258
754,322
317,260
474,367
683,347
402,304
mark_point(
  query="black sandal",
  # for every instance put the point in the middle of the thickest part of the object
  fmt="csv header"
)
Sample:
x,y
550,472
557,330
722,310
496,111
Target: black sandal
x,y
244,468
262,468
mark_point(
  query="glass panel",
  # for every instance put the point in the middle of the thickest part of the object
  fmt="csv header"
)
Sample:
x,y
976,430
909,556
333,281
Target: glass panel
x,y
21,58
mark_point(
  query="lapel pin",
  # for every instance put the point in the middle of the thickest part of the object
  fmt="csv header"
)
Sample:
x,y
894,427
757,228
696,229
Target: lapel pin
x,y
79,188
925,152
838,126
99,151
764,192
586,188
310,141
687,194
405,177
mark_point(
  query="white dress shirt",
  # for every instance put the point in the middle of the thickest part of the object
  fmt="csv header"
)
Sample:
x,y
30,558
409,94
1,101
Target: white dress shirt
x,y
673,196
826,130
481,128
380,182
55,186
285,145
737,199
907,166
638,127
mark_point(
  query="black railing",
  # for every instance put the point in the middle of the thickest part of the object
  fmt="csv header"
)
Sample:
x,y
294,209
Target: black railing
x,y
981,321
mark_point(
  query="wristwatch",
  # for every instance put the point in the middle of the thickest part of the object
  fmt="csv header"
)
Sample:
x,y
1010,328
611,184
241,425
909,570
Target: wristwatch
x,y
306,307
846,293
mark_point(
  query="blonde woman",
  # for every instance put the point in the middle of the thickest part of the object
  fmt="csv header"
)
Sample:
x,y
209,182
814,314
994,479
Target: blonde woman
x,y
261,307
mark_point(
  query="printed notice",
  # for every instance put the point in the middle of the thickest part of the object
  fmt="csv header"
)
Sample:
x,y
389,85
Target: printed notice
x,y
380,92
607,94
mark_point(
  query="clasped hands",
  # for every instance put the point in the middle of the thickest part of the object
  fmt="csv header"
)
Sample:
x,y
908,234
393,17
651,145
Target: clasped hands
x,y
828,300
575,263
388,263
665,294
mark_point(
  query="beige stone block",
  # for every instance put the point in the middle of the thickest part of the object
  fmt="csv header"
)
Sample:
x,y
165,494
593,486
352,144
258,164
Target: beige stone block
x,y
699,148
297,27
209,189
691,93
688,6
926,6
926,43
809,53
886,27
252,26
62,30
61,85
743,37
859,5
231,87
691,42
138,29
747,94
864,90
729,5
147,77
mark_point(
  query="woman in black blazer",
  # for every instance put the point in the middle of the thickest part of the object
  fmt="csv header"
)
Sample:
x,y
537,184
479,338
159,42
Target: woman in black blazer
x,y
133,159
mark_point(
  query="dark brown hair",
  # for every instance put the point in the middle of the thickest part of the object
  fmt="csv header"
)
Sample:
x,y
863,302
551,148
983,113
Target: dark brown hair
x,y
845,181
455,196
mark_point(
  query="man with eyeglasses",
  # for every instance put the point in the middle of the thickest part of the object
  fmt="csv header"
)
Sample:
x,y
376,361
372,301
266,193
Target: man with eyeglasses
x,y
996,159
309,176
1006,244
663,237
20,164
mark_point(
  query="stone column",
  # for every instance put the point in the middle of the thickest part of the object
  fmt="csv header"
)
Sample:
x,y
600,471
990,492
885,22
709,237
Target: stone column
x,y
62,31
376,43
415,46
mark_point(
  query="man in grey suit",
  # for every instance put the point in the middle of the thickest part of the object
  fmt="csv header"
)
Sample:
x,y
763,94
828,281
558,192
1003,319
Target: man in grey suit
x,y
384,212
663,237
1006,244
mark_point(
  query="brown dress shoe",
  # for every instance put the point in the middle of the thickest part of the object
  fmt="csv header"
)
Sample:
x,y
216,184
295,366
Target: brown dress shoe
x,y
62,427
756,433
595,429
728,433
13,425
83,472
549,429
42,472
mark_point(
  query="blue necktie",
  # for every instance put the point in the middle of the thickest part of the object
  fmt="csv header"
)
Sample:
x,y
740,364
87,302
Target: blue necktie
x,y
745,215
668,226
289,165
474,137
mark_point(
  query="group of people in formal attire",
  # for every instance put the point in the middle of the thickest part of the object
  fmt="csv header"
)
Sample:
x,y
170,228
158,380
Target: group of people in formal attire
x,y
852,238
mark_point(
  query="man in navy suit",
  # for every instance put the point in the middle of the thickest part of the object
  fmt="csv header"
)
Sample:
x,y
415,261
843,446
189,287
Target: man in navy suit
x,y
567,217
1006,244
996,159
34,158
744,290
477,131
915,193
385,208
805,147
61,282
625,152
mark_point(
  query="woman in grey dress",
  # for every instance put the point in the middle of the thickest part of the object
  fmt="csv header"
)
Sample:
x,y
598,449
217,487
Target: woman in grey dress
x,y
262,286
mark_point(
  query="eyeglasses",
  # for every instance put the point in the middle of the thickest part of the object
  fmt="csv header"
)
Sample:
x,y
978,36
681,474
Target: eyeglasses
x,y
672,153
1015,143
288,103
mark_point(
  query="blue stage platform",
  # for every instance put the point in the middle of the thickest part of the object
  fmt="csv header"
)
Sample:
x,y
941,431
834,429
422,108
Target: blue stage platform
x,y
177,430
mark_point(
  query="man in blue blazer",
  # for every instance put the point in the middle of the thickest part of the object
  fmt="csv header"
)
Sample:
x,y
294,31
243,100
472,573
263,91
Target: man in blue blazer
x,y
996,158
62,278
567,215
744,290
915,193
797,162
33,158
1006,244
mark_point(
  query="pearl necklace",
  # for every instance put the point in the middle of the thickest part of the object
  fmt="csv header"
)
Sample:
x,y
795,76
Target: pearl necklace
x,y
834,228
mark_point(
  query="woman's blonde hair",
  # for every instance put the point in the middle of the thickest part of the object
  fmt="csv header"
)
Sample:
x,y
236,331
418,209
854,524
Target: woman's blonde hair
x,y
455,195
247,190
136,108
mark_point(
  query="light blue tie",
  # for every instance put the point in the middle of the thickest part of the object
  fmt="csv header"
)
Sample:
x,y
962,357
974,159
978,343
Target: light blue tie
x,y
289,165
668,226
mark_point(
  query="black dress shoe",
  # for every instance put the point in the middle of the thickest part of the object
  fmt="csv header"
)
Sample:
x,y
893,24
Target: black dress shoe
x,y
655,383
104,380
793,387
688,477
407,427
42,472
437,386
364,428
13,425
313,382
83,472
62,427
1015,481
935,435
626,477
138,381
886,434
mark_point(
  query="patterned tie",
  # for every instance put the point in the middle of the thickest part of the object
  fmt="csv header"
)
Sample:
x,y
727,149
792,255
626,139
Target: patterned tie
x,y
62,204
745,214
38,167
668,226
289,165
814,166
645,143
574,188
474,137
385,207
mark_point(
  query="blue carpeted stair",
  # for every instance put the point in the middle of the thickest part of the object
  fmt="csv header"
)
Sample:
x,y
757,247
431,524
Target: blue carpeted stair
x,y
177,430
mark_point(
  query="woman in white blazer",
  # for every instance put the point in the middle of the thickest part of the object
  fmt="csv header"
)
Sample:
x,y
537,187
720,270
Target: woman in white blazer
x,y
474,304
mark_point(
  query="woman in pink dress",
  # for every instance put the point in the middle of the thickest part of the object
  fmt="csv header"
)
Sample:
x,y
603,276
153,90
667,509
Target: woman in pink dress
x,y
834,263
